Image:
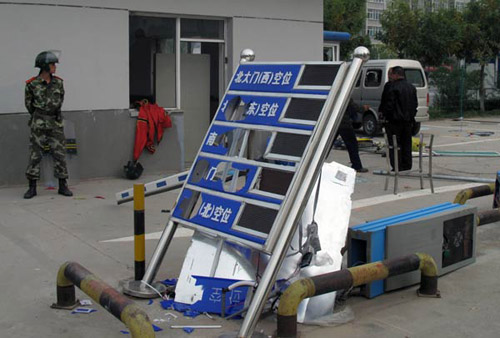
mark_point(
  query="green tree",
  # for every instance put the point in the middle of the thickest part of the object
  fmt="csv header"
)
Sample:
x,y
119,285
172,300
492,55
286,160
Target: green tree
x,y
438,36
400,28
481,37
432,37
347,16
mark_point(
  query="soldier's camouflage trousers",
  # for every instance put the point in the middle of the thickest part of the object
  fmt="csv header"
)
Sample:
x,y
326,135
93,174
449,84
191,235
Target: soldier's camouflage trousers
x,y
47,132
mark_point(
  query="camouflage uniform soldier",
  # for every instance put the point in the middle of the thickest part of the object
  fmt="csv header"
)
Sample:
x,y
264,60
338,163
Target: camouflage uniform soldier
x,y
44,96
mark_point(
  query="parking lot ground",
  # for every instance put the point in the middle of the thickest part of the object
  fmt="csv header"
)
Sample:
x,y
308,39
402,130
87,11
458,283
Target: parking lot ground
x,y
38,235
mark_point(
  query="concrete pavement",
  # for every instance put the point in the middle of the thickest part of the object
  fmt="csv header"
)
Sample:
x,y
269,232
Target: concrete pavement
x,y
38,235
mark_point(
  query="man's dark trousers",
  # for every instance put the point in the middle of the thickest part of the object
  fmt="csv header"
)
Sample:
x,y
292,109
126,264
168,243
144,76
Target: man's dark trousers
x,y
402,130
351,143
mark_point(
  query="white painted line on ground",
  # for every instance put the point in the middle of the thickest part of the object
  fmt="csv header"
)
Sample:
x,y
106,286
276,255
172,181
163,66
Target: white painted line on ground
x,y
179,233
455,126
410,194
462,143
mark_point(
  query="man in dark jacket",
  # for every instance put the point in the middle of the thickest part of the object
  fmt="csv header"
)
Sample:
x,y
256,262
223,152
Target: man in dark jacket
x,y
346,131
398,107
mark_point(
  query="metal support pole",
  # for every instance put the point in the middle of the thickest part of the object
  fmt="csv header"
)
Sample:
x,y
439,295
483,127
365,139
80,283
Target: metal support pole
x,y
396,162
420,171
430,163
139,228
496,194
159,253
387,159
444,177
313,161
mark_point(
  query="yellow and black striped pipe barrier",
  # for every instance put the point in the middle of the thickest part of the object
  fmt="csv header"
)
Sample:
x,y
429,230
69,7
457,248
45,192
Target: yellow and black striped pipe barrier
x,y
488,216
355,276
482,190
72,273
139,237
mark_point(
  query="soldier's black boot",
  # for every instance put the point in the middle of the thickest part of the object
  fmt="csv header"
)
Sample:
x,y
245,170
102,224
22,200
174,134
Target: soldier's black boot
x,y
31,191
63,188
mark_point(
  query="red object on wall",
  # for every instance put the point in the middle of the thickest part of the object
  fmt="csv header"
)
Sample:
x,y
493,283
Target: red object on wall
x,y
151,121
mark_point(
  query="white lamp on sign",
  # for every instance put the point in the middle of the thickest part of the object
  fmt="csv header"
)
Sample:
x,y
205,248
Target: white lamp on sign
x,y
247,55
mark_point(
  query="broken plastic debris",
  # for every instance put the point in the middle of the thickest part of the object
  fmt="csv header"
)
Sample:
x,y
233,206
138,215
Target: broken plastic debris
x,y
170,282
179,307
124,332
100,197
191,313
150,302
156,328
167,304
85,302
188,329
83,310
171,315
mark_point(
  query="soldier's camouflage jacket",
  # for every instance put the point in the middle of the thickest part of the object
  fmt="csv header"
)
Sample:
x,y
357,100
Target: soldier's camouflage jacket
x,y
44,100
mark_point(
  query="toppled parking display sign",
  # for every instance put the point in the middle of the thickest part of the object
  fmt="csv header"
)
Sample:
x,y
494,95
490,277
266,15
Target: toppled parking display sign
x,y
239,180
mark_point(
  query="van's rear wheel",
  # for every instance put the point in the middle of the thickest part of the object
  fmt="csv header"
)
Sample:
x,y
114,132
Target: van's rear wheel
x,y
370,125
415,129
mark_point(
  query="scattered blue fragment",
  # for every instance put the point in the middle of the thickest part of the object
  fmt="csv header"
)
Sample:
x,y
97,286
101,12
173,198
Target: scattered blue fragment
x,y
156,328
188,329
124,332
282,285
150,302
181,307
170,282
191,313
83,310
167,304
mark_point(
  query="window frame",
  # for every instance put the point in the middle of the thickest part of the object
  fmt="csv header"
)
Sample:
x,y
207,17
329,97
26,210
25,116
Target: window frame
x,y
379,71
179,39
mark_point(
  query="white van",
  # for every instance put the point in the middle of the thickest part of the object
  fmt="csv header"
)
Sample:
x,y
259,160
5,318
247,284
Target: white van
x,y
370,84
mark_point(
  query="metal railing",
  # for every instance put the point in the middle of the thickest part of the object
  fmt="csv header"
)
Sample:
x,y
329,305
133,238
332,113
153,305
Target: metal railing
x,y
355,276
72,273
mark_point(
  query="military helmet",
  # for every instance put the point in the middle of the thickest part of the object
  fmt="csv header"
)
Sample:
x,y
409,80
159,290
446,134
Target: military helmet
x,y
45,58
133,170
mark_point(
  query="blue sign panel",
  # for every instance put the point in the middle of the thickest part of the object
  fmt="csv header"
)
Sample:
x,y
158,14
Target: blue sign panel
x,y
239,172
259,110
205,175
265,78
215,212
215,141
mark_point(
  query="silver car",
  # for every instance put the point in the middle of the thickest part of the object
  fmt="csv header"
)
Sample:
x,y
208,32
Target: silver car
x,y
368,92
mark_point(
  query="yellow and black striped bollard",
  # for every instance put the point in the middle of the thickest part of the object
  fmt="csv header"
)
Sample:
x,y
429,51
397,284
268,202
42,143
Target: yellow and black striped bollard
x,y
139,237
